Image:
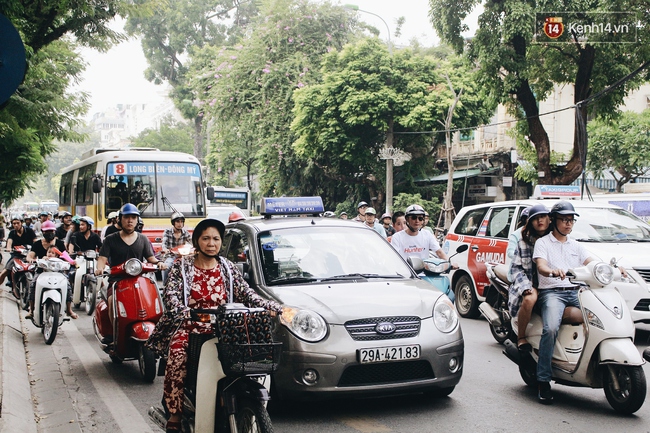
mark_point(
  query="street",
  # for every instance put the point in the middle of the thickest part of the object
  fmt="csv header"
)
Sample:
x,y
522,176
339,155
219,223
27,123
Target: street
x,y
76,387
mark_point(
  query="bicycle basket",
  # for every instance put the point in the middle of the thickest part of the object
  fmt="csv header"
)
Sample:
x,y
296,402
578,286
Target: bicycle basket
x,y
245,342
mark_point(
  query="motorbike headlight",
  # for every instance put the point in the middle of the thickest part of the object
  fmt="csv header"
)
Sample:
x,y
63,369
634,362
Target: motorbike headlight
x,y
603,273
91,254
304,324
60,266
133,267
437,268
444,315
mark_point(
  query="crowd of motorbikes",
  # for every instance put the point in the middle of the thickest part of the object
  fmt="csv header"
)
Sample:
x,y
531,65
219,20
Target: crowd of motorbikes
x,y
224,399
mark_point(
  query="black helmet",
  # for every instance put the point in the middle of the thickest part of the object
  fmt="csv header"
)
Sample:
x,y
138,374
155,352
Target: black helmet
x,y
414,209
64,214
176,216
204,224
129,209
538,209
563,208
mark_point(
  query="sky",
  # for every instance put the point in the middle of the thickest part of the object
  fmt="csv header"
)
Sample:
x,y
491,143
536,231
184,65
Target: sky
x,y
117,76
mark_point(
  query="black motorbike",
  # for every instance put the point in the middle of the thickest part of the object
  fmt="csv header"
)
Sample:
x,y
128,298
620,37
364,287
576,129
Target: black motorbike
x,y
495,308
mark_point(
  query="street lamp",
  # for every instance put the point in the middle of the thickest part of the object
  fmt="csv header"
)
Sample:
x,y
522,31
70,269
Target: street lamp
x,y
392,155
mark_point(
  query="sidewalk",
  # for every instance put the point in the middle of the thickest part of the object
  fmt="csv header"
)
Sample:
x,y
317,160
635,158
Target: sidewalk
x,y
16,408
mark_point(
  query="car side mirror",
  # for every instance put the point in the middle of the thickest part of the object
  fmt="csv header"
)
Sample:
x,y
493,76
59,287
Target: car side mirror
x,y
416,263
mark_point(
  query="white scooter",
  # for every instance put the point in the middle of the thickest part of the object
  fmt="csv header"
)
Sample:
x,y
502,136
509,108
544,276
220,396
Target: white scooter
x,y
85,282
595,347
49,298
227,381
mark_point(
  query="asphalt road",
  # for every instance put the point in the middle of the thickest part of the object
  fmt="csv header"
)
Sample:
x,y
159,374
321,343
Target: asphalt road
x,y
77,388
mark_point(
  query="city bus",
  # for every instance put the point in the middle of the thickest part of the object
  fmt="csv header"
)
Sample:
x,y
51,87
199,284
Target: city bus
x,y
157,182
222,201
49,206
31,207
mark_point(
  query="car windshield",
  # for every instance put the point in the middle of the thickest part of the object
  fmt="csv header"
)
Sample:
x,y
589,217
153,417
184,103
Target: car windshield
x,y
308,254
609,225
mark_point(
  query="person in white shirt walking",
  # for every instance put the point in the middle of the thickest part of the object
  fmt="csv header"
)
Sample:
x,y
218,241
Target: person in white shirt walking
x,y
413,241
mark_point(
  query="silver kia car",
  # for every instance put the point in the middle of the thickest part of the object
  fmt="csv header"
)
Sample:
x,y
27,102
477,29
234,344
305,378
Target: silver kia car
x,y
357,319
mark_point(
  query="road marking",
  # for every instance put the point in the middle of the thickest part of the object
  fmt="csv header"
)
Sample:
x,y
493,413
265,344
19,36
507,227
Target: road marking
x,y
365,425
124,413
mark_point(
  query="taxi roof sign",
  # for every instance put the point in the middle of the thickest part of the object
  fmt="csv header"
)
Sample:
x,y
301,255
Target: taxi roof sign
x,y
291,205
557,191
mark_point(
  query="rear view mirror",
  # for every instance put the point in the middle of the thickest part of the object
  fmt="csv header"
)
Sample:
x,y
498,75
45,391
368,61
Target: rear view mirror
x,y
416,263
209,192
97,184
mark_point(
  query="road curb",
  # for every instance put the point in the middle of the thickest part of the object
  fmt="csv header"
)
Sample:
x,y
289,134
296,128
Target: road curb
x,y
16,408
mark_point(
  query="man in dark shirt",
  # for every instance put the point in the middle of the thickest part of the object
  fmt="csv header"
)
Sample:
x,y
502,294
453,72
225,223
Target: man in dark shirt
x,y
124,245
20,235
66,221
84,239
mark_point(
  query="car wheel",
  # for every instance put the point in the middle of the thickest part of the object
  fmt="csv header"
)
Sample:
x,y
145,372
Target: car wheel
x,y
466,300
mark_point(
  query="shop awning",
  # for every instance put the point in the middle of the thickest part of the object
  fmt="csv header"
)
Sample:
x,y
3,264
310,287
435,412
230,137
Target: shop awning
x,y
458,174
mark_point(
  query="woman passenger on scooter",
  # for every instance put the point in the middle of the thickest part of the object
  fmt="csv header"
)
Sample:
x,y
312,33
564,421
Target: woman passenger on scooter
x,y
523,274
197,281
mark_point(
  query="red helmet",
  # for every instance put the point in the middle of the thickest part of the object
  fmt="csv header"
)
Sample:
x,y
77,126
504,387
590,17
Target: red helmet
x,y
236,215
47,226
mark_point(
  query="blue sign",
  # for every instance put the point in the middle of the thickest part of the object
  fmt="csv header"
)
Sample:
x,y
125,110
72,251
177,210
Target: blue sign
x,y
291,205
150,168
556,191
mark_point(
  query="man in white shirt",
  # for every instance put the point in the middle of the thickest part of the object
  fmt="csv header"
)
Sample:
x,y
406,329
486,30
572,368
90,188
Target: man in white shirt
x,y
371,221
413,241
554,254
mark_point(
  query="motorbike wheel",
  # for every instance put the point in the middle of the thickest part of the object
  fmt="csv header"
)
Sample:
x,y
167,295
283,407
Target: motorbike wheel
x,y
466,300
501,333
15,290
631,380
147,363
115,359
252,417
90,294
529,374
23,289
50,321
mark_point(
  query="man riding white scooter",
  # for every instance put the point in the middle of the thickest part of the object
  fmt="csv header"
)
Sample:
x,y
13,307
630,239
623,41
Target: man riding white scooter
x,y
554,254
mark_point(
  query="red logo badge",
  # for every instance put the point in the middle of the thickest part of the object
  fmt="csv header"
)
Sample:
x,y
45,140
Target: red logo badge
x,y
553,27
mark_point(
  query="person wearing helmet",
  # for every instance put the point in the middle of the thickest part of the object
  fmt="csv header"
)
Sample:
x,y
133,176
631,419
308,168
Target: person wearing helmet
x,y
38,251
343,215
235,216
85,239
522,294
371,222
329,214
202,280
111,226
66,224
386,220
173,237
29,222
115,227
18,236
361,209
74,228
123,245
413,241
42,217
554,254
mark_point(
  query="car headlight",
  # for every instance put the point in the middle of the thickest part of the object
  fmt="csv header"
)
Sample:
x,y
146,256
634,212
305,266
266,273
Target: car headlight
x,y
437,268
444,315
603,273
133,267
304,324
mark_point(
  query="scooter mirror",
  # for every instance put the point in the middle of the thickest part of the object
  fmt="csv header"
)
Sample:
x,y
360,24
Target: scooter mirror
x,y
416,263
646,354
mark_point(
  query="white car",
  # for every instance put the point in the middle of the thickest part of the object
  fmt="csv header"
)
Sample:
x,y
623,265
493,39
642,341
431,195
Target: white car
x,y
607,231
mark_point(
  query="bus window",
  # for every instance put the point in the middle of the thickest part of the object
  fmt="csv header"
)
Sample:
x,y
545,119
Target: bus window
x,y
65,190
84,192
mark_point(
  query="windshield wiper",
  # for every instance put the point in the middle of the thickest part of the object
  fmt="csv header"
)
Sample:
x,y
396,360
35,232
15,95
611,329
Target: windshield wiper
x,y
590,240
295,279
357,275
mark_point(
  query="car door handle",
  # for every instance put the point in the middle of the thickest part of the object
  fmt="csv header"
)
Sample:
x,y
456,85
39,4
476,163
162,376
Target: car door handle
x,y
474,247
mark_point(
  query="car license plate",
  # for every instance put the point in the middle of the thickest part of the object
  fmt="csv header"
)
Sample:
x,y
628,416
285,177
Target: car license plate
x,y
393,353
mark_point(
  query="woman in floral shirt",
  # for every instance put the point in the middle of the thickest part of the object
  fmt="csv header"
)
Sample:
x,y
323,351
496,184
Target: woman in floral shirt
x,y
199,281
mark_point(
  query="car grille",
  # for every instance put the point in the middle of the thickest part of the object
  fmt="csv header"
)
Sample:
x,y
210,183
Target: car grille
x,y
386,372
365,329
642,305
645,273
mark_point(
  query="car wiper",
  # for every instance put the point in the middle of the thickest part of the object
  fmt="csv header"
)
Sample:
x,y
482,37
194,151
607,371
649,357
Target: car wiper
x,y
357,275
295,279
590,240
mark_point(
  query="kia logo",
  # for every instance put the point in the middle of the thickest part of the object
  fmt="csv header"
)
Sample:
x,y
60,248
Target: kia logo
x,y
385,328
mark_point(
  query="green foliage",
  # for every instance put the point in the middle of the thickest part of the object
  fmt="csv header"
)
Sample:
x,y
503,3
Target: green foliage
x,y
620,147
519,73
404,200
173,136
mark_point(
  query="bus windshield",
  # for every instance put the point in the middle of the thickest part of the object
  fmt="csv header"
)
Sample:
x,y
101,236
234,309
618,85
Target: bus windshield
x,y
156,188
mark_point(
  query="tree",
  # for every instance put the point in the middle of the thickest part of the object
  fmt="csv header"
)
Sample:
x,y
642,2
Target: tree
x,y
247,90
620,147
173,136
42,109
520,73
341,122
171,31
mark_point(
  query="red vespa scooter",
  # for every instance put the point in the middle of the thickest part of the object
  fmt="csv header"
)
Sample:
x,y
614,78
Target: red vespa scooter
x,y
137,307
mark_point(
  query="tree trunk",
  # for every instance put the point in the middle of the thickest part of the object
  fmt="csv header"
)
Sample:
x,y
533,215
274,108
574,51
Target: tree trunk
x,y
198,137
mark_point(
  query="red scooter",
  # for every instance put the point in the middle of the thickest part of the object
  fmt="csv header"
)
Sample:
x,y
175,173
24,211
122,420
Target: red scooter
x,y
137,307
